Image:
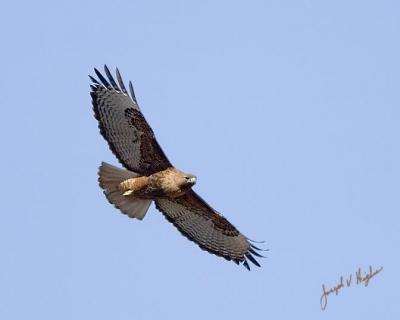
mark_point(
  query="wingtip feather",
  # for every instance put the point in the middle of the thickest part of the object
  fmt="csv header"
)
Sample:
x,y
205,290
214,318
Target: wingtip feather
x,y
132,91
251,258
246,265
120,81
93,79
102,79
110,78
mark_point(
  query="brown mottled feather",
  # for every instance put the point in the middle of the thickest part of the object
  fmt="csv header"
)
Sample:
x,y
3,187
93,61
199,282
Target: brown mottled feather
x,y
125,129
198,222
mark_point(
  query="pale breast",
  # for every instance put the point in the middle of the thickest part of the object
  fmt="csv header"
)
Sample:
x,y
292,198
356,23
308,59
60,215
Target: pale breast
x,y
166,183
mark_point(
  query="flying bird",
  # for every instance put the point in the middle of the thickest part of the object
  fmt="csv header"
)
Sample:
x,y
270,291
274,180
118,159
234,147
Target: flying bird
x,y
149,175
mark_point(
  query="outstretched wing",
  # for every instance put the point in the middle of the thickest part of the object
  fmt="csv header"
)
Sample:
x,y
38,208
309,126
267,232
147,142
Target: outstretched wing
x,y
200,223
124,127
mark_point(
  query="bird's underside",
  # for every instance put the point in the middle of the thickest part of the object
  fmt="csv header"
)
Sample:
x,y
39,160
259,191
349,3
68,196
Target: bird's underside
x,y
149,176
169,183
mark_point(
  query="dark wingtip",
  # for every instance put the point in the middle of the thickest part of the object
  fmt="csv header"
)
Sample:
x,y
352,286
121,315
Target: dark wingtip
x,y
251,258
251,250
249,255
257,248
110,78
132,92
255,240
111,83
121,83
102,79
246,264
93,79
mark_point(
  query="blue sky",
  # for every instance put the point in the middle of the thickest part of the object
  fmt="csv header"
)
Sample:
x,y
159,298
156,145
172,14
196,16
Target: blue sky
x,y
287,112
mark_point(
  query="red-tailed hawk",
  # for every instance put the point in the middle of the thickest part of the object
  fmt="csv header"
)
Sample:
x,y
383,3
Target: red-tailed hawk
x,y
151,177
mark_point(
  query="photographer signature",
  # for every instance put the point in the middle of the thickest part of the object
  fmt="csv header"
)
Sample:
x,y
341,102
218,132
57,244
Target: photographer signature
x,y
348,282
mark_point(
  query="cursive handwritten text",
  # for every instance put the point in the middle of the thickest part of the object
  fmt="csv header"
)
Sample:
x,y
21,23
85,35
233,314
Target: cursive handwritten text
x,y
347,283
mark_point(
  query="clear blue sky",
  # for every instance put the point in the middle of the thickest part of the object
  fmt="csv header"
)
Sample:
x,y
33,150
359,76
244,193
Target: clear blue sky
x,y
287,111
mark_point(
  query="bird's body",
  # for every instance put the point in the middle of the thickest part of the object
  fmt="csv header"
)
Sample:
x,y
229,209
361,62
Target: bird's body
x,y
169,183
149,176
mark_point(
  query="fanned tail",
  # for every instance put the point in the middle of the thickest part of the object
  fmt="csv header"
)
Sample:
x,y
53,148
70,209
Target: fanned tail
x,y
109,179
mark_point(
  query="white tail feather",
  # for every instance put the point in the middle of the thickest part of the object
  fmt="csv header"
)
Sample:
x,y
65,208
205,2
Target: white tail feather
x,y
109,179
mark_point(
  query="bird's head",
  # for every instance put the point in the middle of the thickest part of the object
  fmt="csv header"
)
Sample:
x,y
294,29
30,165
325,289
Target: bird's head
x,y
175,182
185,180
189,180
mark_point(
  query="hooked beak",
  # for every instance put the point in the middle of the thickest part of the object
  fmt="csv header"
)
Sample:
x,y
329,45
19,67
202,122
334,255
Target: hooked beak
x,y
192,180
